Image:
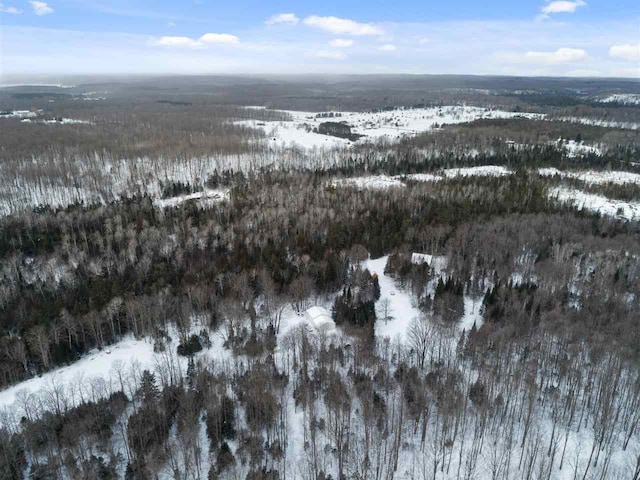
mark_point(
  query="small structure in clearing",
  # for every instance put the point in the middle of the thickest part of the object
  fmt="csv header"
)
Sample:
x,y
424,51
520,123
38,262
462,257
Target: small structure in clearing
x,y
320,320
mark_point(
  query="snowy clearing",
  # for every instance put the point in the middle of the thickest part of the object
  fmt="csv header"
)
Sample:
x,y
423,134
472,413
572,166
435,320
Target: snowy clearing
x,y
472,314
402,309
577,149
375,182
594,177
386,181
597,203
482,171
78,377
204,199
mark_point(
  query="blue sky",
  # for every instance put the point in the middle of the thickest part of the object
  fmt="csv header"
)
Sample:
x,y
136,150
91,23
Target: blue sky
x,y
558,37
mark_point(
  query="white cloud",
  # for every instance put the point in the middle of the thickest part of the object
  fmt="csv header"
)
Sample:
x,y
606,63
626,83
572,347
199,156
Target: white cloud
x,y
180,42
628,51
9,10
289,18
219,39
204,40
562,6
341,26
387,48
330,55
341,43
560,56
40,8
171,24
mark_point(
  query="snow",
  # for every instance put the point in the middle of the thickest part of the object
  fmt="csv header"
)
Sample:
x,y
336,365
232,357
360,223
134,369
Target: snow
x,y
438,263
79,375
482,171
204,198
401,309
375,182
65,121
398,181
18,114
599,122
576,149
97,374
597,203
283,134
391,125
624,210
624,98
422,177
472,313
320,320
594,177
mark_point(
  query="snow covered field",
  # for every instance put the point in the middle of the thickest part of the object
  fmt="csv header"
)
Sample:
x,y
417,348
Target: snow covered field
x,y
391,125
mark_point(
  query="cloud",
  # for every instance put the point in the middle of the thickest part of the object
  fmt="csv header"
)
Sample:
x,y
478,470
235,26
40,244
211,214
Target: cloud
x,y
203,41
341,26
330,55
341,43
288,18
9,10
455,47
629,51
560,56
562,6
40,8
387,48
180,42
219,39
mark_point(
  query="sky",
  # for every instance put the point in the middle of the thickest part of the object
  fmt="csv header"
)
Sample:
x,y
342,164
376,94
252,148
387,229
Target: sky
x,y
524,37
